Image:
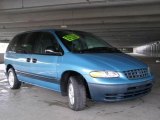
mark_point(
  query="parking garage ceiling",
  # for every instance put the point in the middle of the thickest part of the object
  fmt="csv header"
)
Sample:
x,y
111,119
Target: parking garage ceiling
x,y
123,23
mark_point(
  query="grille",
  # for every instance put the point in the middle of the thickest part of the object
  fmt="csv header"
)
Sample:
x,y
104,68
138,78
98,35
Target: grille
x,y
137,73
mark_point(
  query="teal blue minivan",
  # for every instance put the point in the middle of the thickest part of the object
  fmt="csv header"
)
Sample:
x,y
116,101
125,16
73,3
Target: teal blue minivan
x,y
77,64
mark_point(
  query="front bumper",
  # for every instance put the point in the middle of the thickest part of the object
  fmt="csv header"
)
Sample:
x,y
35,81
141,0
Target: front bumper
x,y
111,93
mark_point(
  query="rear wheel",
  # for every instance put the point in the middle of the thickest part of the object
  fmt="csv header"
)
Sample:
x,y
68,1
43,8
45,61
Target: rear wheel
x,y
14,83
76,93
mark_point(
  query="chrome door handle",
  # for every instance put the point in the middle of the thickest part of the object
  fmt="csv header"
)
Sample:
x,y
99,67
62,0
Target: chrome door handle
x,y
28,59
34,60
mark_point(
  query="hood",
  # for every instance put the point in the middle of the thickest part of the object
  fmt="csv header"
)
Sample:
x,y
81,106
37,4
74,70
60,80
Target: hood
x,y
116,61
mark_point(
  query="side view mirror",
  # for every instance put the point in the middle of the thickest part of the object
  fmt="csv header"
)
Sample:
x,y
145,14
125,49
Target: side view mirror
x,y
52,50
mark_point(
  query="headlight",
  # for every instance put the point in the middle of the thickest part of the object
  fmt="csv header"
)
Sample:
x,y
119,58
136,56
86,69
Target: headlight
x,y
104,74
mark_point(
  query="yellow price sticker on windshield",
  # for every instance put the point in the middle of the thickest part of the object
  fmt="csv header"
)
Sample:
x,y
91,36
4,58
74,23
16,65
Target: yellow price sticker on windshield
x,y
71,37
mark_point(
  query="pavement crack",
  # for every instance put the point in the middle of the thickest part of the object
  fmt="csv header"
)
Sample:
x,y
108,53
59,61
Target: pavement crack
x,y
116,112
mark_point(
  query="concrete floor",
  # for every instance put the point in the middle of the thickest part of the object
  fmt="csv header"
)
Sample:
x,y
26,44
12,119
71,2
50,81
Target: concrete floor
x,y
34,103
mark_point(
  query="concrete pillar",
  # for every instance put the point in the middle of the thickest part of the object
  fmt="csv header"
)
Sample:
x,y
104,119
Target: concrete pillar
x,y
154,50
1,58
158,49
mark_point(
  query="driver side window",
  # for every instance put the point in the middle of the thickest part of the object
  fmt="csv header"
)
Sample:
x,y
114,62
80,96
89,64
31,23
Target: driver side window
x,y
49,44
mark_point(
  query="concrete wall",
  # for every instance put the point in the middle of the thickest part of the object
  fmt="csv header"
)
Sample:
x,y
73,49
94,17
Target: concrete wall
x,y
1,58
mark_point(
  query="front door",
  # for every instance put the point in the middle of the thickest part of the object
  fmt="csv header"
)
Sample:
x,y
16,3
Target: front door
x,y
44,63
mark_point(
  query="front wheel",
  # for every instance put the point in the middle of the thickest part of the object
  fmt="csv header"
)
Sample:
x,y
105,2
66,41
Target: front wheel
x,y
14,83
76,93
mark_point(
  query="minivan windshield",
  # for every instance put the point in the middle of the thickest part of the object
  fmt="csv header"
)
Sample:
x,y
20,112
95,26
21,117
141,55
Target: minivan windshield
x,y
83,42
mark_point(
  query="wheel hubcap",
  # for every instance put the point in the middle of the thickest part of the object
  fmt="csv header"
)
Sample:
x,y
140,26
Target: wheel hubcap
x,y
71,94
11,79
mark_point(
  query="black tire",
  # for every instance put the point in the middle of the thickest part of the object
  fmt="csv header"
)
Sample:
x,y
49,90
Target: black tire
x,y
79,91
16,84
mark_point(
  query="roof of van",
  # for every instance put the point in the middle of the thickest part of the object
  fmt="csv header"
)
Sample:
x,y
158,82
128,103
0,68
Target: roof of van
x,y
53,30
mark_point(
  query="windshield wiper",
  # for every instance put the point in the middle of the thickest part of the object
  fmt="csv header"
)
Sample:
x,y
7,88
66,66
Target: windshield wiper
x,y
100,50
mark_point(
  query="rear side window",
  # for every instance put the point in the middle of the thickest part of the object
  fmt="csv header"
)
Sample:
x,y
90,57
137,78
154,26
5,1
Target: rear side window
x,y
25,43
12,44
34,43
31,41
